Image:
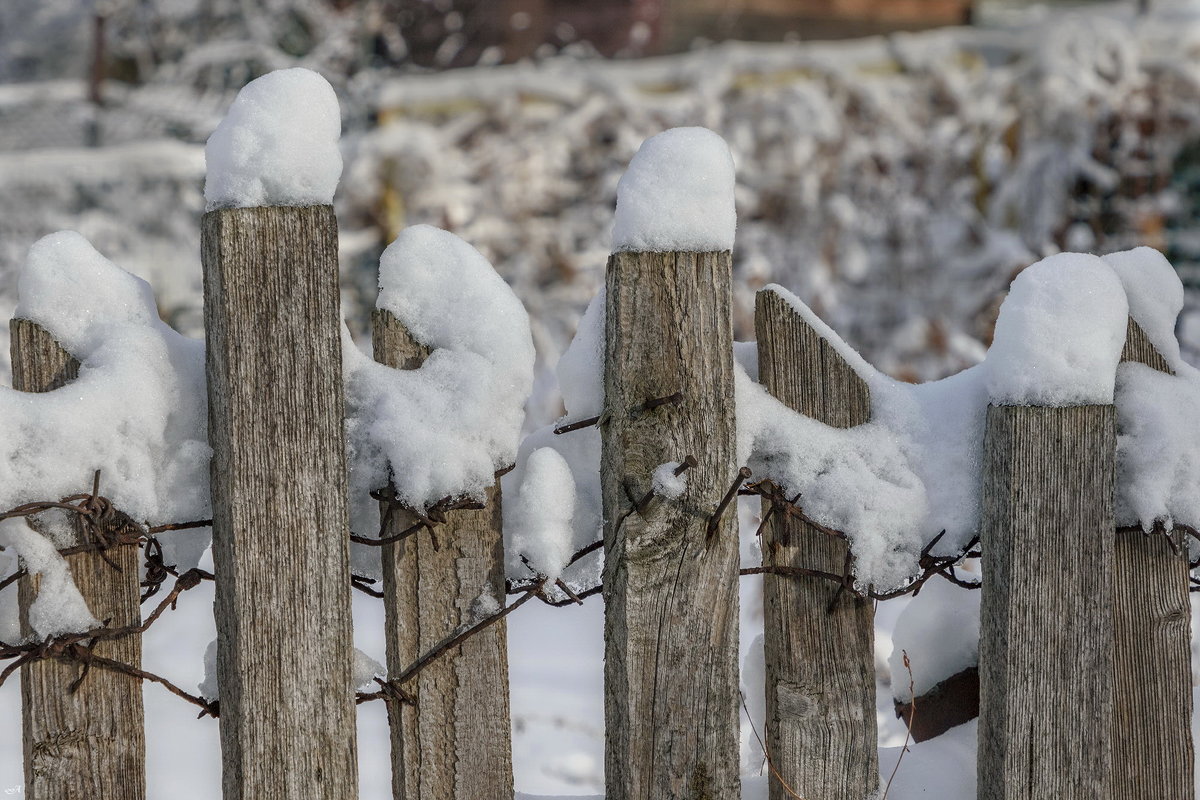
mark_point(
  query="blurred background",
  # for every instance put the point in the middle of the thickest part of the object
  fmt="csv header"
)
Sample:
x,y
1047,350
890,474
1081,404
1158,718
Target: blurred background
x,y
898,162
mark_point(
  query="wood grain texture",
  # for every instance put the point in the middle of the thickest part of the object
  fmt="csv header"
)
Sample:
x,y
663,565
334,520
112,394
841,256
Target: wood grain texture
x,y
671,593
1046,629
456,743
1152,687
280,529
91,743
820,658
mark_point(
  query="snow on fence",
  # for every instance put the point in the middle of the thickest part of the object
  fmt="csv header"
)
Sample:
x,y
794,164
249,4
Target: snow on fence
x,y
1066,456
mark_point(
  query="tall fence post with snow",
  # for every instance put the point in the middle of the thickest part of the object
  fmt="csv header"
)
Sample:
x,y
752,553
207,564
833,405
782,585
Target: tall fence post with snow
x,y
276,410
1153,751
1048,517
818,639
81,737
671,547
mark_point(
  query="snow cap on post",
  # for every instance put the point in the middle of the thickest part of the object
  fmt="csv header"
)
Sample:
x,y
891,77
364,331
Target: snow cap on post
x,y
1155,296
444,428
278,144
1059,335
77,294
677,195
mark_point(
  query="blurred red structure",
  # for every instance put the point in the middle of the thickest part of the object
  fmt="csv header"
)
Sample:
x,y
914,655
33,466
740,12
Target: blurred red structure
x,y
463,32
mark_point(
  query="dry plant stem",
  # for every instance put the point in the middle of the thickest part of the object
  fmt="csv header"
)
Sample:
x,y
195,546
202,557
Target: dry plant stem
x,y
766,754
908,730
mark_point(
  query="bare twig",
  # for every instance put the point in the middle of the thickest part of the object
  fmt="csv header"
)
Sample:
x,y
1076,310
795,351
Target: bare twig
x,y
912,714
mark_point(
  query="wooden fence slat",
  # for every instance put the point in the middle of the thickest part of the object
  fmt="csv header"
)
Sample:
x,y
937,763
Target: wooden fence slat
x,y
670,589
1152,672
456,743
280,529
90,743
1045,651
820,664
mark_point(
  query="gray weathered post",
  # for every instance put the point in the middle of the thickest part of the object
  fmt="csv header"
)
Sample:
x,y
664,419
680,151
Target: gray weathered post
x,y
280,530
92,742
820,665
1152,686
456,742
1045,651
670,576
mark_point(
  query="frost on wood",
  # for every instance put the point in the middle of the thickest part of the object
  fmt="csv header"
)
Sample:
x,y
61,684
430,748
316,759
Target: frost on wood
x,y
677,195
59,607
150,444
278,144
664,482
445,428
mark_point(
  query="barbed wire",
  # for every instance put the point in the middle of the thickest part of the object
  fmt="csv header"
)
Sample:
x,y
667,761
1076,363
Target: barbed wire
x,y
102,527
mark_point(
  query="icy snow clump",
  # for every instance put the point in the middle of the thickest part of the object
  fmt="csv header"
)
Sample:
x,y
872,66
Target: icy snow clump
x,y
59,607
278,144
542,513
580,373
677,195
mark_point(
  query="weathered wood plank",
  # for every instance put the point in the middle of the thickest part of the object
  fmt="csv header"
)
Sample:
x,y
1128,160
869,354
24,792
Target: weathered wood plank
x,y
1152,687
1046,629
820,664
91,743
671,591
280,529
456,743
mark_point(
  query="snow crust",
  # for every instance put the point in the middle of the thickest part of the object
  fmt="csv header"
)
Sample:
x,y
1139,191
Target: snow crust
x,y
365,670
445,428
278,144
677,195
1059,335
1155,296
939,629
137,411
914,469
59,607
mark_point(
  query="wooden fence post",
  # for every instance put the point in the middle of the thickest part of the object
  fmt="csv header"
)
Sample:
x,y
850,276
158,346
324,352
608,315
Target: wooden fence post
x,y
90,742
456,742
1152,686
280,529
820,664
1045,650
671,569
